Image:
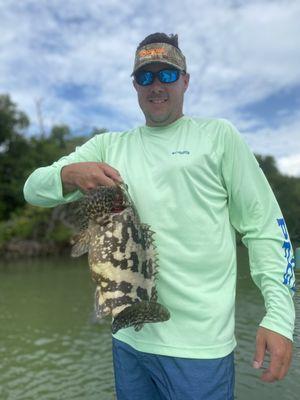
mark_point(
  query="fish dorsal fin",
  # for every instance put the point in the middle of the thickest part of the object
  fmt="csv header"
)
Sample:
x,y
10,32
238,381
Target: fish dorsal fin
x,y
80,243
148,236
151,267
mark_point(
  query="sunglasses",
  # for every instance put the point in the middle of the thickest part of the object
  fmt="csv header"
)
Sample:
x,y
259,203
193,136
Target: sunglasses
x,y
145,78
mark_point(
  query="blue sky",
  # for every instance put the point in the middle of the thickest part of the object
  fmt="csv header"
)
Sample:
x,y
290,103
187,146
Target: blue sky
x,y
75,58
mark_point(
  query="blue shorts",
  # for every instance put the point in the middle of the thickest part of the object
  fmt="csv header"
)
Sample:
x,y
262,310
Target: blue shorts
x,y
144,376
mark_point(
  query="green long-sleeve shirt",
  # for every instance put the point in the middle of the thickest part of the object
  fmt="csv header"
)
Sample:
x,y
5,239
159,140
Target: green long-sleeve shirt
x,y
195,182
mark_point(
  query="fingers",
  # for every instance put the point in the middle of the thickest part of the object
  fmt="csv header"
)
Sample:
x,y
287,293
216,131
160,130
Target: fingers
x,y
101,179
88,175
281,357
98,174
275,371
110,173
260,351
280,349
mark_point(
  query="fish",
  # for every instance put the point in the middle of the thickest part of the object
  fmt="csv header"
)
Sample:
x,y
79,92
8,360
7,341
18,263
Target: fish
x,y
122,257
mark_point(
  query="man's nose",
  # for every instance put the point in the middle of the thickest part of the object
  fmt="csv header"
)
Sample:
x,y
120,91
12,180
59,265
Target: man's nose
x,y
156,85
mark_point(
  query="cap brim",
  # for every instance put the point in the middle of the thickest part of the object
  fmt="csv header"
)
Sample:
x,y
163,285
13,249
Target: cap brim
x,y
156,62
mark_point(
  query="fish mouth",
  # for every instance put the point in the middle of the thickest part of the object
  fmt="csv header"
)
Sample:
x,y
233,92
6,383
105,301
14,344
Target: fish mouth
x,y
119,203
117,209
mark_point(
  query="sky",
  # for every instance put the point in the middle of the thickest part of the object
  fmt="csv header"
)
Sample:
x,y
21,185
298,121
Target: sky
x,y
72,60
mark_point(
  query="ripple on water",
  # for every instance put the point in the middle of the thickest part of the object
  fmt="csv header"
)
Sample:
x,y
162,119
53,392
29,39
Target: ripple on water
x,y
250,311
60,355
80,370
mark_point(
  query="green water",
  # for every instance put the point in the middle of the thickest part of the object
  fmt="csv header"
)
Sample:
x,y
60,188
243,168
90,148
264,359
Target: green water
x,y
51,349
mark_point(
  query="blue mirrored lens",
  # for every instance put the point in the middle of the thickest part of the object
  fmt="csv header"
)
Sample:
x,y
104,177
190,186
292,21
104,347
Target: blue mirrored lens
x,y
145,78
168,75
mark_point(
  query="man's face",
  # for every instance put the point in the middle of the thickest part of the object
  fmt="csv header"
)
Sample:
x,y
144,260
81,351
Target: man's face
x,y
161,103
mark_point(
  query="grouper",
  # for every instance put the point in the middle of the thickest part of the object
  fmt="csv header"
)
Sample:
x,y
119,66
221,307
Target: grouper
x,y
122,257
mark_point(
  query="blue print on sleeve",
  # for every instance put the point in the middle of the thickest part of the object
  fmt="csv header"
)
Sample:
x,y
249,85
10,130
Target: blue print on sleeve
x,y
289,275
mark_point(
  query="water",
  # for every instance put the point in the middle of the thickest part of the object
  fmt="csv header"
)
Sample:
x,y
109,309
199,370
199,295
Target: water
x,y
51,349
249,312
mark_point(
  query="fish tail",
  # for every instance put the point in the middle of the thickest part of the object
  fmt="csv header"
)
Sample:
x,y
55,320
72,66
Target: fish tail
x,y
138,314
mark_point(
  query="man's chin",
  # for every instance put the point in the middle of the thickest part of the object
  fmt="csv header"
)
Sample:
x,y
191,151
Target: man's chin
x,y
158,120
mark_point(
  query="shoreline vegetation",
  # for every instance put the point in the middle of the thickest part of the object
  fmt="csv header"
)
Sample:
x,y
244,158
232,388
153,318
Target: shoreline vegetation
x,y
28,231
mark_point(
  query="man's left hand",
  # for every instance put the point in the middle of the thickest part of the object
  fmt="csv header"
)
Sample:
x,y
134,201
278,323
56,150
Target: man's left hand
x,y
280,349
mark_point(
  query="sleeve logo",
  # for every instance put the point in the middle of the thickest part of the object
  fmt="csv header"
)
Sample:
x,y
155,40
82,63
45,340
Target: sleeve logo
x,y
289,275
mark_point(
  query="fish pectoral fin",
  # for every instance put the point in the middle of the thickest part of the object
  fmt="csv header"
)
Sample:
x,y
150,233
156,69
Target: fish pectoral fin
x,y
80,243
138,327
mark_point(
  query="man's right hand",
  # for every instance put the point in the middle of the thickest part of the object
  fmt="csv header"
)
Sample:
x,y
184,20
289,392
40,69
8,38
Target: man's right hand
x,y
88,175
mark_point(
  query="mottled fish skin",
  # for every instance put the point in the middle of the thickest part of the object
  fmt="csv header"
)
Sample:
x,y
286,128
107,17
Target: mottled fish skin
x,y
139,314
122,259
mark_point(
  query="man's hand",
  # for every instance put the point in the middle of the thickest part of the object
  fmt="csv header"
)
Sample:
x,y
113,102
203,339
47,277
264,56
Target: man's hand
x,y
280,349
88,175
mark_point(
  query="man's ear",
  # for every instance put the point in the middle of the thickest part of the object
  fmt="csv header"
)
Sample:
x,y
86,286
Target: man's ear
x,y
186,80
134,84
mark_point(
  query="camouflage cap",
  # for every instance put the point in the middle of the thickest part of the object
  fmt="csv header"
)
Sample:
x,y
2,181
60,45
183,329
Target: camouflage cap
x,y
159,52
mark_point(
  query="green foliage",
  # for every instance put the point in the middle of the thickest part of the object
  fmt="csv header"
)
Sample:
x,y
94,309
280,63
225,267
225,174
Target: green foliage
x,y
11,120
20,155
59,135
60,233
287,193
30,222
34,223
12,146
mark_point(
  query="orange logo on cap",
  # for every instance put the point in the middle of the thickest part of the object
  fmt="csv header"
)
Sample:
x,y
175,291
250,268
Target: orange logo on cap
x,y
152,52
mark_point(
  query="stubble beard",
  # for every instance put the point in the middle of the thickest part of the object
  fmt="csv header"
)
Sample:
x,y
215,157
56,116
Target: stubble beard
x,y
159,120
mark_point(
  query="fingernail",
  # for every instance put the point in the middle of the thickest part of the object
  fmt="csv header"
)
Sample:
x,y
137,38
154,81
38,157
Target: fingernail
x,y
256,364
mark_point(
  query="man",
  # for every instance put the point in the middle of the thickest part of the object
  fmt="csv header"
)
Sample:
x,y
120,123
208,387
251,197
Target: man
x,y
194,181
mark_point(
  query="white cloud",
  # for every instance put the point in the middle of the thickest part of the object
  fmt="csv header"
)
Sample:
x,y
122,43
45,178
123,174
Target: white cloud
x,y
282,142
290,165
238,53
247,53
